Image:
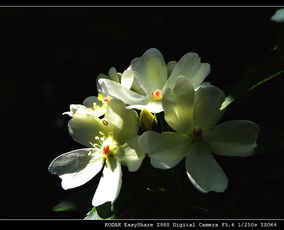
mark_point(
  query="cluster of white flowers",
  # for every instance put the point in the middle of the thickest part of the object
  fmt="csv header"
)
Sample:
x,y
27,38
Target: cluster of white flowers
x,y
108,126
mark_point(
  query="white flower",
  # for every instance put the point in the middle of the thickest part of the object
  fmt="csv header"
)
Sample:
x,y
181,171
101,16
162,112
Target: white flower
x,y
147,78
111,142
91,105
193,115
125,79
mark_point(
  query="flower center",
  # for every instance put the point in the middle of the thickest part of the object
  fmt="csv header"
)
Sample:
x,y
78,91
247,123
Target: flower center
x,y
197,134
106,100
107,147
156,95
105,150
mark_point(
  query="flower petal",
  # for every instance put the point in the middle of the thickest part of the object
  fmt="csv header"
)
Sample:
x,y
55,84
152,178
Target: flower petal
x,y
97,106
75,168
189,66
152,106
76,108
101,76
123,122
207,103
204,171
178,105
127,79
150,71
83,128
113,75
200,75
89,102
170,66
116,90
132,155
87,108
109,185
233,138
166,150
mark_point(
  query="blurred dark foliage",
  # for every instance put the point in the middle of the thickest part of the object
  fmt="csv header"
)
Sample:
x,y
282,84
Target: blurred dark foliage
x,y
50,58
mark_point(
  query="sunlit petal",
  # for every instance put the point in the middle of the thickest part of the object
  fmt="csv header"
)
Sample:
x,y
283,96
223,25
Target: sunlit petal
x,y
122,122
109,185
83,128
116,90
127,79
152,106
190,67
150,71
77,108
203,170
178,105
75,168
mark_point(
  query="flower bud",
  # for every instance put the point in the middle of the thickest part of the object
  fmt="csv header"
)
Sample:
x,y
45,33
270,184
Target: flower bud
x,y
147,120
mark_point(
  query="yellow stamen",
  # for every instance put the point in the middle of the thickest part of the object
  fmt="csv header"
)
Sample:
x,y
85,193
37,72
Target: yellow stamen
x,y
104,100
156,95
105,122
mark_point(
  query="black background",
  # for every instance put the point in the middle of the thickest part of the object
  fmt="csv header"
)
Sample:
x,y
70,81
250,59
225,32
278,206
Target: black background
x,y
51,56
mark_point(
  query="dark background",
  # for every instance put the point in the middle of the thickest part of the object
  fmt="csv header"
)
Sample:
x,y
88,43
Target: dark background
x,y
51,56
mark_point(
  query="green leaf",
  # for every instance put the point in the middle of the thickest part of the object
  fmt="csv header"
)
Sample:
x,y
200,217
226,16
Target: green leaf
x,y
105,211
156,189
237,93
199,208
65,206
93,215
79,201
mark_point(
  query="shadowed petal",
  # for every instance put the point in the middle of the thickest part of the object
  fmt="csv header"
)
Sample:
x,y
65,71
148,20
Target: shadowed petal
x,y
132,155
207,102
166,150
233,138
89,102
